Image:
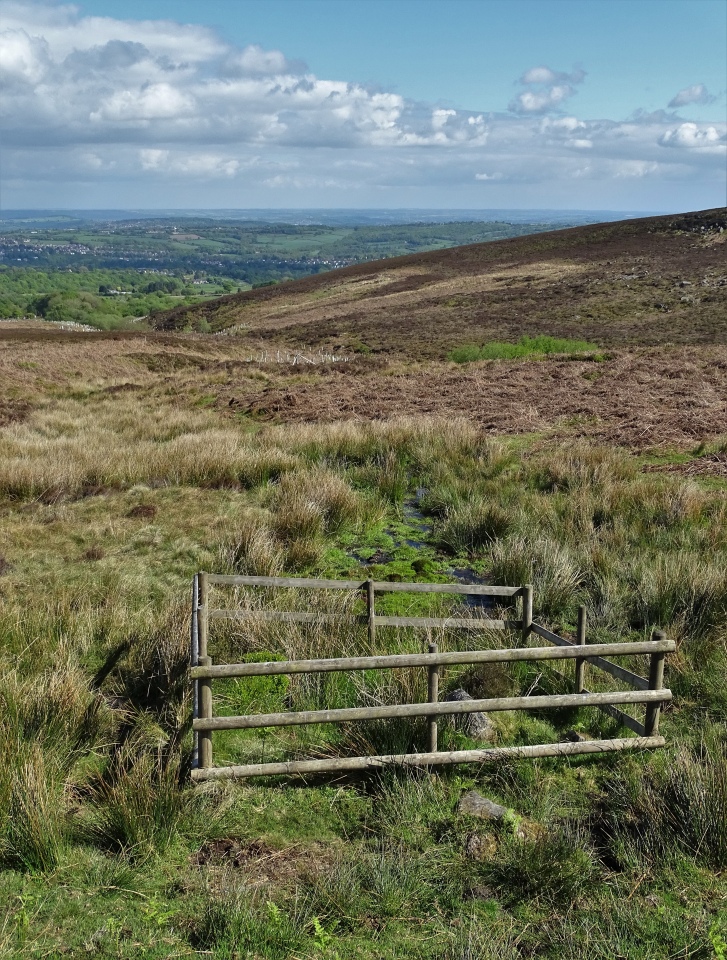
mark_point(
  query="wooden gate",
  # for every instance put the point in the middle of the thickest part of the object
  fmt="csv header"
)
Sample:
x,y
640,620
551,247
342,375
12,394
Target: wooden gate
x,y
648,691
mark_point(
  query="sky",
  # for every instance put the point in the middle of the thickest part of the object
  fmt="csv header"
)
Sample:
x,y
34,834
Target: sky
x,y
469,104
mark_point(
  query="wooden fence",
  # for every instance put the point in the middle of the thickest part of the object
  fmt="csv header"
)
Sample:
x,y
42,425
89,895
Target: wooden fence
x,y
648,691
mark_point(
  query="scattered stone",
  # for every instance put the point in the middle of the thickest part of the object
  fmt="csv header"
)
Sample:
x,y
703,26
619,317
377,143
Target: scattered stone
x,y
480,891
574,737
474,804
476,725
143,511
477,847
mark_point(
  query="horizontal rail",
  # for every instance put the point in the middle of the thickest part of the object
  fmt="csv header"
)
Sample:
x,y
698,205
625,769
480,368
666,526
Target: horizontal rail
x,y
493,754
469,589
295,616
300,717
453,623
620,673
393,661
286,616
381,586
244,581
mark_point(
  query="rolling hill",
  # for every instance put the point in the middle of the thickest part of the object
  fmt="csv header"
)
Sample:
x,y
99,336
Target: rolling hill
x,y
656,280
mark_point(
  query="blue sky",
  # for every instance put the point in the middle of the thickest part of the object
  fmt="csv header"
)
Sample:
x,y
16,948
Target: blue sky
x,y
601,104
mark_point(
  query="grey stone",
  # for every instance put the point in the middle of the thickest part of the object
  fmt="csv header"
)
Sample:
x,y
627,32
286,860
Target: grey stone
x,y
476,725
474,804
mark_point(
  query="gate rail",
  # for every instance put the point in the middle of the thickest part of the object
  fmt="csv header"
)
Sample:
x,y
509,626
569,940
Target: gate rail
x,y
650,692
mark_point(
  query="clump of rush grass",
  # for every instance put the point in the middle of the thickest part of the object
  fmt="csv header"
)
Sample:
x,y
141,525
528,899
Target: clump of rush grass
x,y
553,866
151,676
470,527
32,807
542,345
314,503
253,549
681,591
552,569
665,810
138,806
583,466
50,722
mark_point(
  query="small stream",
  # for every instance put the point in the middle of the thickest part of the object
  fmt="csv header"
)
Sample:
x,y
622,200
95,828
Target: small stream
x,y
413,517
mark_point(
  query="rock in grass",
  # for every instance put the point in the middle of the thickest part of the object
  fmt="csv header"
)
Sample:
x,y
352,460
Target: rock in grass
x,y
476,725
474,804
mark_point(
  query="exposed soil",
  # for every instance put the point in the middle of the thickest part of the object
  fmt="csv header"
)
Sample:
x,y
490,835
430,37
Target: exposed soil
x,y
143,511
710,465
639,399
260,863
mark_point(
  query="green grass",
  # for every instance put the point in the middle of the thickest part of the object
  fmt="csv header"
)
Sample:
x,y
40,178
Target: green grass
x,y
541,345
105,848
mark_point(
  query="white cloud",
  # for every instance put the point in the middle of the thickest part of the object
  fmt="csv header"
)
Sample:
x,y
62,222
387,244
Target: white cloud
x,y
156,101
23,57
693,136
549,78
697,93
253,60
104,100
551,89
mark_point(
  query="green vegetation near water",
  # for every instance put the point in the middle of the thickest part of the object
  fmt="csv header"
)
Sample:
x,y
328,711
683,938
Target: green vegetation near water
x,y
542,345
110,503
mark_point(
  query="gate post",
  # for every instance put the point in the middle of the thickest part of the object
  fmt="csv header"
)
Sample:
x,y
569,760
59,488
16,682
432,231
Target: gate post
x,y
580,640
656,682
205,685
527,621
194,661
371,612
433,697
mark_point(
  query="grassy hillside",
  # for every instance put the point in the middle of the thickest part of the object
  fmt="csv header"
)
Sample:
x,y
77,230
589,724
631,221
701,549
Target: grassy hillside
x,y
128,462
651,281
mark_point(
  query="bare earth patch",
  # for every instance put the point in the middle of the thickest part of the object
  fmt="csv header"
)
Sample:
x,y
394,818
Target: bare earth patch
x,y
260,863
639,399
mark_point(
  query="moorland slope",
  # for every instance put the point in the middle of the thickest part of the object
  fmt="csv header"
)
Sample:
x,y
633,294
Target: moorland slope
x,y
654,280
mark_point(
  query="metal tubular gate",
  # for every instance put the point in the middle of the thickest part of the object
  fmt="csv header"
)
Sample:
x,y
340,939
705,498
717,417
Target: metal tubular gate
x,y
650,692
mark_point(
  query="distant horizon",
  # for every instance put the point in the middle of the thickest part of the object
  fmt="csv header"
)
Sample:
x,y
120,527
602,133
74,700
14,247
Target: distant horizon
x,y
467,213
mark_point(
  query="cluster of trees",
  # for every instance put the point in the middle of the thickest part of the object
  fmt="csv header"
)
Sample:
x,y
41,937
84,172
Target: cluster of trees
x,y
105,299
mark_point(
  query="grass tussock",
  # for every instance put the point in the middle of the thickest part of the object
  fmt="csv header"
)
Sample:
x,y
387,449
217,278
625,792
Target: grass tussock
x,y
541,345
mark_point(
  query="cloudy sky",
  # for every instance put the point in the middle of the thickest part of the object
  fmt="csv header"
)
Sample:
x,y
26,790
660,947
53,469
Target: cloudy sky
x,y
580,104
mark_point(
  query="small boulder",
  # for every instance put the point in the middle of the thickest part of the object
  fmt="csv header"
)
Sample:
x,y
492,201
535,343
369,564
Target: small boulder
x,y
476,725
474,804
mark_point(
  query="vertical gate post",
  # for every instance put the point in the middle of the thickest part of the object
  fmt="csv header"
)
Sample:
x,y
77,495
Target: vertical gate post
x,y
433,697
205,685
581,640
527,621
371,612
656,682
193,662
